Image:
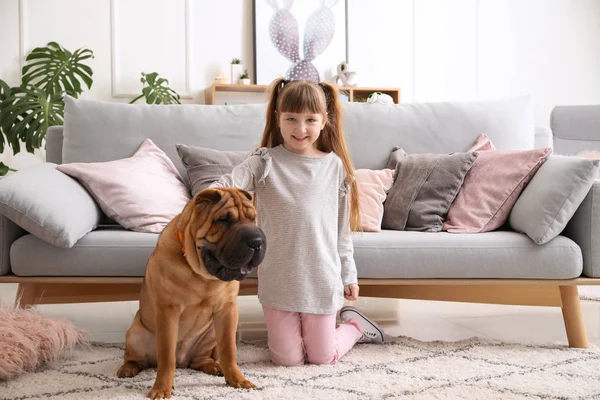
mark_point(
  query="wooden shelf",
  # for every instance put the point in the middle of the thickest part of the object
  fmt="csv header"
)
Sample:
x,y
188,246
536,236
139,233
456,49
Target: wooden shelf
x,y
361,93
353,93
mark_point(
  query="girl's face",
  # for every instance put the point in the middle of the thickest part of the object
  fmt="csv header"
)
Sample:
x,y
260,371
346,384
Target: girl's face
x,y
300,131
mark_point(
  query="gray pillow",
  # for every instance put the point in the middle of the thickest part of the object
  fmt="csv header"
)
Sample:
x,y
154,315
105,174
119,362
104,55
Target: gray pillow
x,y
49,204
425,185
552,196
204,166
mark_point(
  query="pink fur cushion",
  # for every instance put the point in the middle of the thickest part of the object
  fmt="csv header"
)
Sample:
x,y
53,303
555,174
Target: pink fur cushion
x,y
373,186
29,341
143,193
492,186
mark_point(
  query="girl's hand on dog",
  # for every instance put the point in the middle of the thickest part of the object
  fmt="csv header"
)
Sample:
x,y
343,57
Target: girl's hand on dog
x,y
351,292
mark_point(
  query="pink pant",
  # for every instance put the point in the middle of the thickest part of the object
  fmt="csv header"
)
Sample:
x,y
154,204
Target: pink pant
x,y
291,334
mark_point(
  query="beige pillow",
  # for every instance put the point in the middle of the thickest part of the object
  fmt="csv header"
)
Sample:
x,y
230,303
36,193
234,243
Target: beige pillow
x,y
373,186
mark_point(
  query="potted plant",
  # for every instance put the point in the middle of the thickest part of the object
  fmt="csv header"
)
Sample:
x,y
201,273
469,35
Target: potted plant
x,y
236,69
157,90
245,78
28,110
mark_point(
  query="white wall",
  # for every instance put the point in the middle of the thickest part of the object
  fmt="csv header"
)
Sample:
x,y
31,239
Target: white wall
x,y
435,50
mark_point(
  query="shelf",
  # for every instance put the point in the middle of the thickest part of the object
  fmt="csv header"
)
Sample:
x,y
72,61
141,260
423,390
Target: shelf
x,y
354,93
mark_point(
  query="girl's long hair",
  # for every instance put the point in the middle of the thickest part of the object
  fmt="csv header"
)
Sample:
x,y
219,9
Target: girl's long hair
x,y
305,96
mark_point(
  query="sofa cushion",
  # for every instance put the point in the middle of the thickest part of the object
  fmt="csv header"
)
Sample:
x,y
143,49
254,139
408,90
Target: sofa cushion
x,y
112,251
91,124
49,204
549,201
373,186
424,187
385,254
371,130
490,255
205,166
443,127
492,186
142,193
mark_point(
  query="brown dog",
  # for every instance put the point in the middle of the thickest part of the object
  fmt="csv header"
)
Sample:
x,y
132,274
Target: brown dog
x,y
188,305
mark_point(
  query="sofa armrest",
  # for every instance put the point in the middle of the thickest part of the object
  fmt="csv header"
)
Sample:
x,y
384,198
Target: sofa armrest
x,y
584,229
9,232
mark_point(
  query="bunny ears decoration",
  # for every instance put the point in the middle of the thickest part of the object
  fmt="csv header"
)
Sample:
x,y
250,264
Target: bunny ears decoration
x,y
318,34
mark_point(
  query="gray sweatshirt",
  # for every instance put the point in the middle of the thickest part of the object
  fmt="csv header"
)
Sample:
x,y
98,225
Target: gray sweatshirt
x,y
303,208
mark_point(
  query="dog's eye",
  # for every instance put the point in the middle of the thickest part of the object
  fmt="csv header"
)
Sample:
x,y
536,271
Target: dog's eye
x,y
223,220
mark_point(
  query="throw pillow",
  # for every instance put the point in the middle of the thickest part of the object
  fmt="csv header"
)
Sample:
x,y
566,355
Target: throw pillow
x,y
549,201
143,193
492,187
593,154
204,166
373,186
424,187
48,204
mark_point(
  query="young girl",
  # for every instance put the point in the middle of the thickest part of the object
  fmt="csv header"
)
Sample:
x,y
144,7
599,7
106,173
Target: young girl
x,y
307,204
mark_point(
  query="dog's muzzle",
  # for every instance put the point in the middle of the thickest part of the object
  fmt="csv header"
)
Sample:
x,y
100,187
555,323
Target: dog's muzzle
x,y
243,252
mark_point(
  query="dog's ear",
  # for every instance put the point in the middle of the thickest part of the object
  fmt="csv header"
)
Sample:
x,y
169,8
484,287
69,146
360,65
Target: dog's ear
x,y
208,195
248,195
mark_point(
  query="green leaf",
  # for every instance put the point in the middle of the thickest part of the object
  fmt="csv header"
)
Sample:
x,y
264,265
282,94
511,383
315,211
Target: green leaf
x,y
4,93
55,70
157,91
3,169
27,113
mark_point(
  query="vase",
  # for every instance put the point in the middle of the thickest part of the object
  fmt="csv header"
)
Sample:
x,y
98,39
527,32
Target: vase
x,y
236,71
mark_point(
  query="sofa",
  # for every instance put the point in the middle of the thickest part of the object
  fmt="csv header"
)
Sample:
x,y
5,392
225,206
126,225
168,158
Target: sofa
x,y
498,267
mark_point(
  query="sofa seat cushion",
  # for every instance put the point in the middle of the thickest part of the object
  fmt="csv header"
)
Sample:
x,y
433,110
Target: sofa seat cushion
x,y
110,251
498,254
386,254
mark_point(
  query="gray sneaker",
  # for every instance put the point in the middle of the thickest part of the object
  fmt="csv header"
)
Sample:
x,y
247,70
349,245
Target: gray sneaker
x,y
372,333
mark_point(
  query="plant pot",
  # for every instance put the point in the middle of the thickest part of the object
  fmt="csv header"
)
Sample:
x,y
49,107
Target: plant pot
x,y
236,71
245,81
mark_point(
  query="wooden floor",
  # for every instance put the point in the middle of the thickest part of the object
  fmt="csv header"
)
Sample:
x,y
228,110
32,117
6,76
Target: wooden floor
x,y
560,294
422,320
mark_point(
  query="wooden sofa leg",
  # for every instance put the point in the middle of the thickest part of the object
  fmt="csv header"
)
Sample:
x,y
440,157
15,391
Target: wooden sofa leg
x,y
573,317
26,293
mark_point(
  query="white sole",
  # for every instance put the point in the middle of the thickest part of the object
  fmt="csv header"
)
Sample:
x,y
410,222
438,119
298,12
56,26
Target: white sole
x,y
366,319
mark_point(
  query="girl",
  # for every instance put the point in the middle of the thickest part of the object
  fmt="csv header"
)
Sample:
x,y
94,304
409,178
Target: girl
x,y
301,176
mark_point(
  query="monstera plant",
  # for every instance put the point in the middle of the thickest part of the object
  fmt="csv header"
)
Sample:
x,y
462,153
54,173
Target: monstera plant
x,y
156,90
28,110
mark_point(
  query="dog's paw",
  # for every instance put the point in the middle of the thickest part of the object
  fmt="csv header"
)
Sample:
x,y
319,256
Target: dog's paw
x,y
242,384
129,370
159,393
211,368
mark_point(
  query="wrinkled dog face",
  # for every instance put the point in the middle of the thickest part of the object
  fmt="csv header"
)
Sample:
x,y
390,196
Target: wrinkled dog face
x,y
227,239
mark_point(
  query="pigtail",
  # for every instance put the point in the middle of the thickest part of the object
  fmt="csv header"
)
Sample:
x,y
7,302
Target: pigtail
x,y
332,138
271,136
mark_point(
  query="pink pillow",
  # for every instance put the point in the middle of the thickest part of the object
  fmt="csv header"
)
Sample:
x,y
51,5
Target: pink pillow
x,y
143,193
492,186
373,186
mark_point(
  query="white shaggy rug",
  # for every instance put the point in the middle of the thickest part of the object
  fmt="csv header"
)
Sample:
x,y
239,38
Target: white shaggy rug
x,y
403,369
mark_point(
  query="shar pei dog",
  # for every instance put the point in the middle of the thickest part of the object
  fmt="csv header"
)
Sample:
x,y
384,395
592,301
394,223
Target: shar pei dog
x,y
188,312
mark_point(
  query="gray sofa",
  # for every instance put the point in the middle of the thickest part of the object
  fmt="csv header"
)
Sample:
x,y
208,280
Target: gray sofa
x,y
503,267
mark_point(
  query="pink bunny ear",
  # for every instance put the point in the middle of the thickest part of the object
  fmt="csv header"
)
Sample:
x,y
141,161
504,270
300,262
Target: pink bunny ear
x,y
283,30
319,32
